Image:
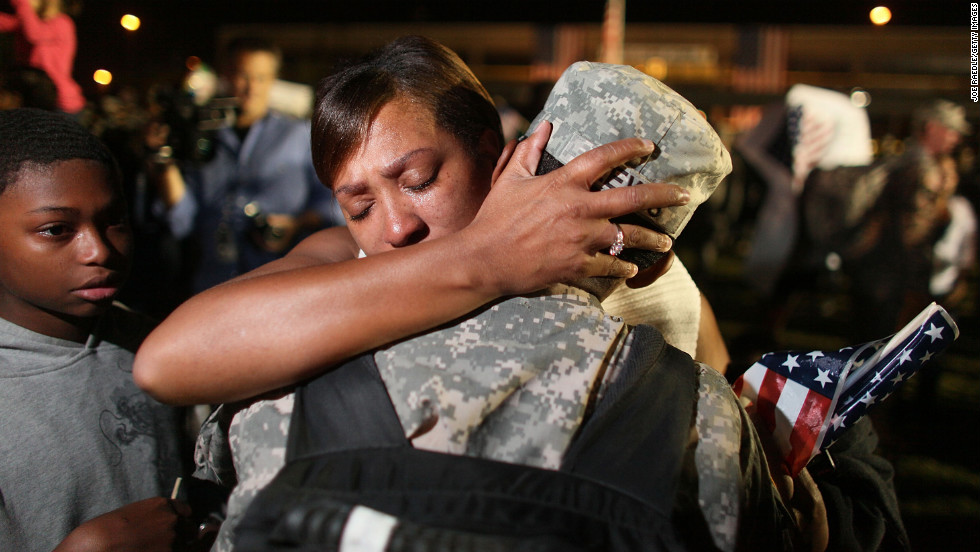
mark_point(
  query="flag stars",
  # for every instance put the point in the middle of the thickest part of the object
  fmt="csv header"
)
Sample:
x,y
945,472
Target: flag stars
x,y
926,356
814,355
837,421
905,357
791,362
868,399
934,333
899,377
822,377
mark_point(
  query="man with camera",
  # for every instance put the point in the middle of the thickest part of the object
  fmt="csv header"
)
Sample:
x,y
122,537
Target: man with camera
x,y
247,204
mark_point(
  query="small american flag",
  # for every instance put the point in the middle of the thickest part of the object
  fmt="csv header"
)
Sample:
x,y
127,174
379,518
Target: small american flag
x,y
807,399
811,133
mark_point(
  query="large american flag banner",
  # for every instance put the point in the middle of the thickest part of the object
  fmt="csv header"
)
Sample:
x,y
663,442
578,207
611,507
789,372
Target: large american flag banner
x,y
808,399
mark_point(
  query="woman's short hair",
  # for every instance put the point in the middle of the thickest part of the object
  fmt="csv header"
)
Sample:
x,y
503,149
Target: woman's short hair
x,y
411,67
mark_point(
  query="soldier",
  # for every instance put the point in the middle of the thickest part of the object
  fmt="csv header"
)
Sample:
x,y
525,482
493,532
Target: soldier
x,y
893,257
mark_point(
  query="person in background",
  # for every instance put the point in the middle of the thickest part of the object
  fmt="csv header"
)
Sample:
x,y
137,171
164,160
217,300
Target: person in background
x,y
895,252
88,458
27,87
259,194
46,40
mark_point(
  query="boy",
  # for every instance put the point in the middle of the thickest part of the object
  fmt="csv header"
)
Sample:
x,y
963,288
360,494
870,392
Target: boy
x,y
86,456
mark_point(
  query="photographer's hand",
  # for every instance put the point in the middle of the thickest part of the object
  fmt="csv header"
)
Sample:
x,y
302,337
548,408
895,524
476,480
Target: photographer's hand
x,y
162,169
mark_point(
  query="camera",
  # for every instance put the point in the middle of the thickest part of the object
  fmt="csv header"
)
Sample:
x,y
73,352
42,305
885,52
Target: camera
x,y
193,126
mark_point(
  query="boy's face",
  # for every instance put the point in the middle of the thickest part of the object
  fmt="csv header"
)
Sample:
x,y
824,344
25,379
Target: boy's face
x,y
65,247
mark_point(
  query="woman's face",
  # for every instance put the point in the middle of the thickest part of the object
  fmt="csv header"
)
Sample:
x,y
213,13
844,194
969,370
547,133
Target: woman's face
x,y
410,181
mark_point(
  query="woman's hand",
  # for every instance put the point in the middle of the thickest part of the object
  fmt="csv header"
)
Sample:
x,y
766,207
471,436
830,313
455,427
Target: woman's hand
x,y
552,228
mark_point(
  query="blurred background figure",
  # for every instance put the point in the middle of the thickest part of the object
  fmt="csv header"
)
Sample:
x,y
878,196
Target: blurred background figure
x,y
248,198
27,87
903,236
813,136
45,39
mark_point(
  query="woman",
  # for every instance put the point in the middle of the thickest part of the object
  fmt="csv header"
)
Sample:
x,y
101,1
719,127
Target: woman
x,y
46,40
411,156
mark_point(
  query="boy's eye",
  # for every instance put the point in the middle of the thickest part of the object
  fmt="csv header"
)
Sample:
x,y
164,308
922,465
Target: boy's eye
x,y
55,230
118,219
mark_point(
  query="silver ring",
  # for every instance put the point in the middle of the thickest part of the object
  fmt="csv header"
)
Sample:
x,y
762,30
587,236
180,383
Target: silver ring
x,y
617,247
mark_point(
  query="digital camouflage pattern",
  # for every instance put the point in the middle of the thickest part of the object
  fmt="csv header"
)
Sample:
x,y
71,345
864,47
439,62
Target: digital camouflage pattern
x,y
510,383
243,455
558,345
596,103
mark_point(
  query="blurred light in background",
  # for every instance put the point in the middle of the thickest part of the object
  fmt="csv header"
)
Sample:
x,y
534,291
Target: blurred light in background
x,y
192,63
880,15
130,22
102,77
656,67
860,98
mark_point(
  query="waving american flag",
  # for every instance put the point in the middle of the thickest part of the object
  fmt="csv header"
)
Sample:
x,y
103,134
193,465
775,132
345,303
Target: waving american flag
x,y
807,399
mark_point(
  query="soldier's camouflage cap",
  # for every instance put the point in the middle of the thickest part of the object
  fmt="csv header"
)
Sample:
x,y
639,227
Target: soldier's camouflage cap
x,y
596,103
949,114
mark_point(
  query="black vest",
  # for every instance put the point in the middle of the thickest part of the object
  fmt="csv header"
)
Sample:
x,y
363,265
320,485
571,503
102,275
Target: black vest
x,y
614,491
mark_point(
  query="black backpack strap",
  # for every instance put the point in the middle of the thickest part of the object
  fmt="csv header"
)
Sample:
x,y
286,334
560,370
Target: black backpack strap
x,y
443,502
345,408
646,413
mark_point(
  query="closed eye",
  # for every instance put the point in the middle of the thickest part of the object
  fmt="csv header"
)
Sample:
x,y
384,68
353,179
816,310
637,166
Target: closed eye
x,y
423,185
361,214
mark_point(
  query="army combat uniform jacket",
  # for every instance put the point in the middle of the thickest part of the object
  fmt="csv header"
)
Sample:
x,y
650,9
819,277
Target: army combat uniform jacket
x,y
515,383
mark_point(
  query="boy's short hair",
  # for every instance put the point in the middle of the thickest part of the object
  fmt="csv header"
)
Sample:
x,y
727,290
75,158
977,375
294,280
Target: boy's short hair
x,y
35,138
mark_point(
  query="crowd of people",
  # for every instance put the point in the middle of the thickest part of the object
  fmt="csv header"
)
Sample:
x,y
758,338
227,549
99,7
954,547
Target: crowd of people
x,y
406,328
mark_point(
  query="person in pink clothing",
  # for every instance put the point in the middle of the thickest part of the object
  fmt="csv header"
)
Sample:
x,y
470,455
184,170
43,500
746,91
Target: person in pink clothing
x,y
46,40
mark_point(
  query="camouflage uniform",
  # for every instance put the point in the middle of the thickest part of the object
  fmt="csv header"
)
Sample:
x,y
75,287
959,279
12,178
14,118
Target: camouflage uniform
x,y
512,383
596,103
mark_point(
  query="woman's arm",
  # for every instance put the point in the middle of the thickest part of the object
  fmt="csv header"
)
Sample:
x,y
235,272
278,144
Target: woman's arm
x,y
295,317
8,23
711,348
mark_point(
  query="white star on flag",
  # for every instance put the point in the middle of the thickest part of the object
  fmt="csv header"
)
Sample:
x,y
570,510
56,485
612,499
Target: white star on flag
x,y
837,421
791,362
823,378
906,356
814,355
934,333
